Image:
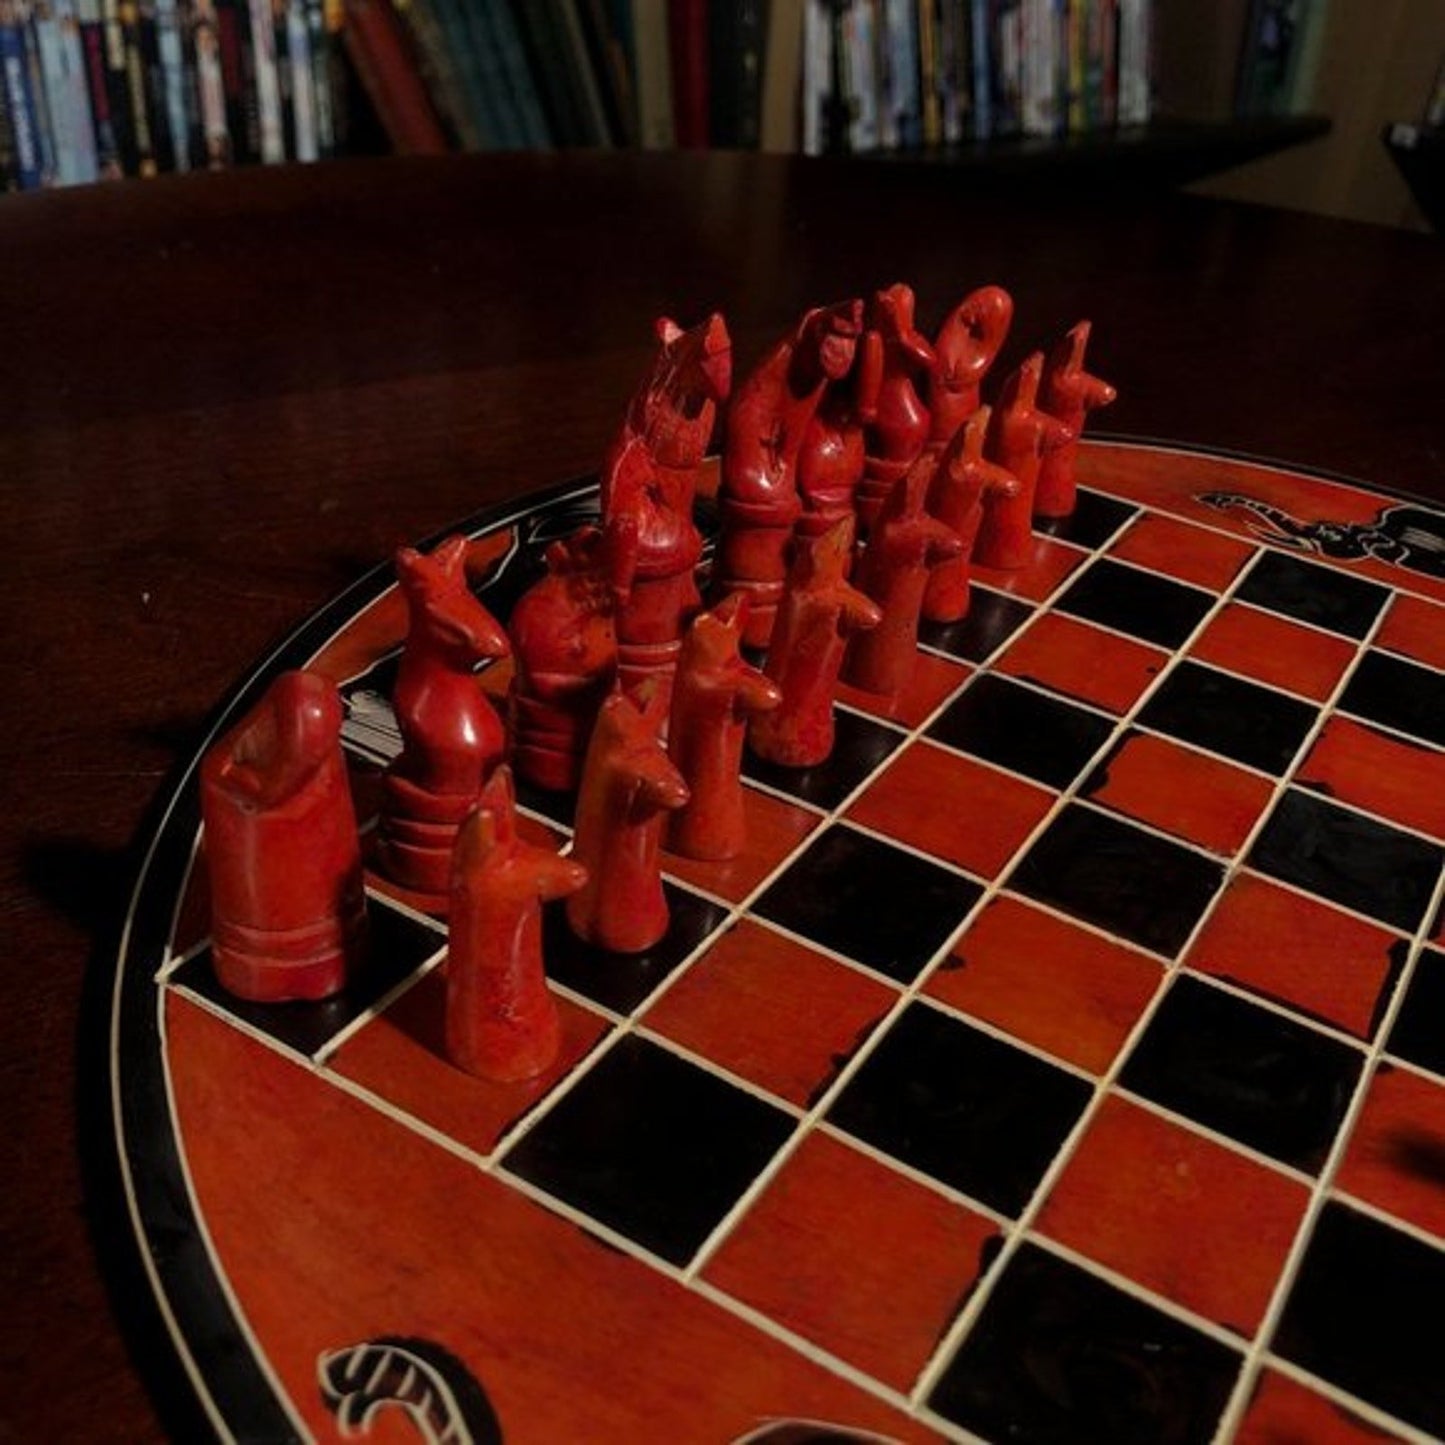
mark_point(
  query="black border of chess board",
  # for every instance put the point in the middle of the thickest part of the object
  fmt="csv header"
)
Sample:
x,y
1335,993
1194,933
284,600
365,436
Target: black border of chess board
x,y
235,1386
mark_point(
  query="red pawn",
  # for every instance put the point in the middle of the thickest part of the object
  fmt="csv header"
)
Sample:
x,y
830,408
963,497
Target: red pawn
x,y
1019,435
627,785
451,735
967,345
820,611
906,545
715,695
963,485
1069,394
830,464
899,431
649,480
287,906
501,1021
564,640
767,420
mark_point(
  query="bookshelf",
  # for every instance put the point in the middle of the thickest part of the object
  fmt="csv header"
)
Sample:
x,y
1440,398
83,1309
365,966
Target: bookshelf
x,y
1090,91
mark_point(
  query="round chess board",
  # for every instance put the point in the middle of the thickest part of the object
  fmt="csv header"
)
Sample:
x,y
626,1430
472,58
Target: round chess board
x,y
1063,1061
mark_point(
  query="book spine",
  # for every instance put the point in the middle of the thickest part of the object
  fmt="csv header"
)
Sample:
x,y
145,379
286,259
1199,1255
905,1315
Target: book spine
x,y
9,169
687,37
173,80
817,70
262,33
1005,77
981,37
928,78
438,68
377,44
205,54
20,100
502,118
318,45
35,78
108,159
904,70
527,106
45,37
1134,68
652,67
303,85
76,83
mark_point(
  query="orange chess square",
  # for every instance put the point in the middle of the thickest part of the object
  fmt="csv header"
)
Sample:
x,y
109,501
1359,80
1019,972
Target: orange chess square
x,y
1179,549
1415,629
1389,776
1068,991
952,807
933,681
1184,1216
1300,952
856,1257
773,1011
1085,662
1188,794
1050,565
1285,1412
1271,649
774,829
1396,1158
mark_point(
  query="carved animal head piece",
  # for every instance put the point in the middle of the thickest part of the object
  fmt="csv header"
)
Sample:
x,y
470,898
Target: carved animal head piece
x,y
1020,391
890,313
489,837
986,314
833,332
693,364
626,740
442,609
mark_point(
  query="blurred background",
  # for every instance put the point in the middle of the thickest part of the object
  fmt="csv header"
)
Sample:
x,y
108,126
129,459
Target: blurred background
x,y
1332,106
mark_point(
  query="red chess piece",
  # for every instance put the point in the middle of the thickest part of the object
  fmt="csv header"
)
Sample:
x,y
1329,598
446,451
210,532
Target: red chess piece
x,y
628,783
1019,435
715,694
648,483
451,735
967,345
819,612
501,1021
564,640
830,463
963,484
766,423
287,907
906,545
899,431
1068,393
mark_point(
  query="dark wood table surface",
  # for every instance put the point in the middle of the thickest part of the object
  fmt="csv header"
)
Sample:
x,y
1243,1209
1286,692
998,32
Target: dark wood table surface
x,y
224,397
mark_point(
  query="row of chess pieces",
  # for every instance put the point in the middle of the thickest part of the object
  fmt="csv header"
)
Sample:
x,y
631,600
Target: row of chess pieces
x,y
860,476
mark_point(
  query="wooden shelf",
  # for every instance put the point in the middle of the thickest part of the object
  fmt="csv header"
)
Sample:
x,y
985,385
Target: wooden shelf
x,y
1163,153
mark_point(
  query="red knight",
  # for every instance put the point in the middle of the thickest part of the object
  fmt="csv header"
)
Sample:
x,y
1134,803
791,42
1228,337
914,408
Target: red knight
x,y
766,423
501,1020
899,430
968,342
906,546
451,735
1019,435
628,783
287,907
564,640
715,694
648,483
964,484
1069,394
819,612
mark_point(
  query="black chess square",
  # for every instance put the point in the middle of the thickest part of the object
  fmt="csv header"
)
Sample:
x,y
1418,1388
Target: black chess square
x,y
652,1146
1093,521
1308,592
1268,1081
396,945
1019,728
1141,604
621,981
1419,1031
962,1106
1361,1315
1348,858
1110,873
1399,695
1059,1355
992,619
860,745
1237,719
869,901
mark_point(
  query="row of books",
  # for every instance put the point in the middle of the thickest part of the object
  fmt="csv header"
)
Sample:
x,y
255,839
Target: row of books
x,y
900,73
98,89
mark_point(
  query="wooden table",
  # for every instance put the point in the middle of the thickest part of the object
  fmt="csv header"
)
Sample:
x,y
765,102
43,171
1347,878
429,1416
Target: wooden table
x,y
226,396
